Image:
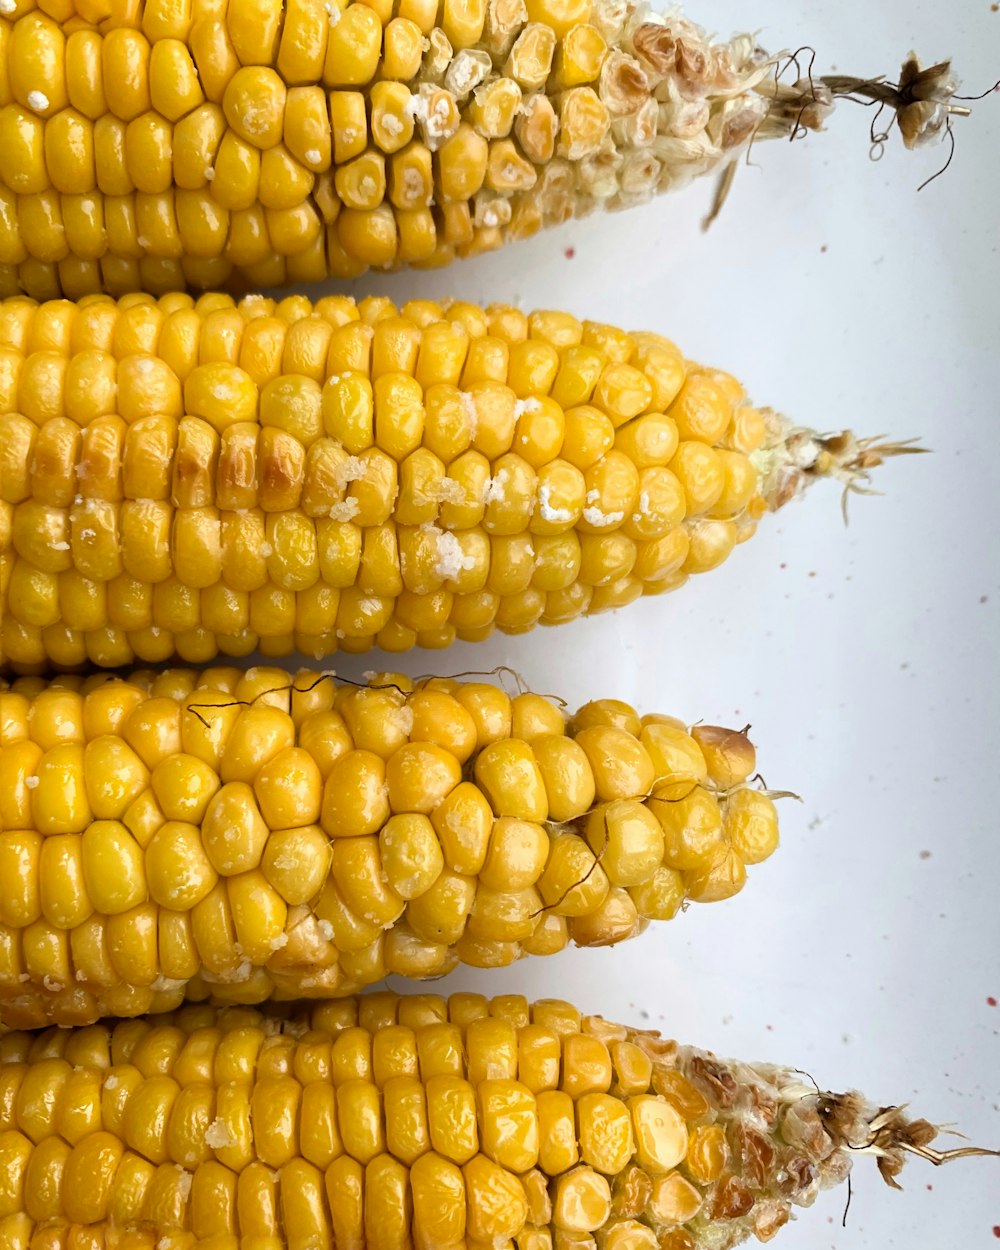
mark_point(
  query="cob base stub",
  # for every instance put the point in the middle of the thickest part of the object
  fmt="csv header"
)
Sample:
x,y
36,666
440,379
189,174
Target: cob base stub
x,y
384,1122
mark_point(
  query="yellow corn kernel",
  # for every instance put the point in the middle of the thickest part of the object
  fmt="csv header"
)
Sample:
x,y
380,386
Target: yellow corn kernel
x,y
353,47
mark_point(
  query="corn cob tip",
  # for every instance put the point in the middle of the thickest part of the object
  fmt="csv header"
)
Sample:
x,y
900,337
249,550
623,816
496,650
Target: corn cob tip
x,y
922,101
922,104
792,457
858,1127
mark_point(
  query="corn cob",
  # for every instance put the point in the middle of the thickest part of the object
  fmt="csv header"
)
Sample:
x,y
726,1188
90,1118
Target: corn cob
x,y
164,144
189,479
384,1123
243,834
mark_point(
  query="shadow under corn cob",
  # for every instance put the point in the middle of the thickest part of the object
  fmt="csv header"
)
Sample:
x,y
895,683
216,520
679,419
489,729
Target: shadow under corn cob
x,y
195,478
420,1123
163,145
239,835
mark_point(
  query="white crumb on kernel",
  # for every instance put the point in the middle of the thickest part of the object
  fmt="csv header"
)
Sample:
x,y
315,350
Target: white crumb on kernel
x,y
451,559
7,7
60,546
52,984
281,940
643,510
490,218
353,469
266,550
209,172
494,488
413,183
593,496
547,510
314,156
142,241
333,12
111,1081
527,405
184,1183
471,412
392,125
403,719
218,1134
451,491
346,510
165,985
38,100
325,930
599,519
78,498
31,782
231,976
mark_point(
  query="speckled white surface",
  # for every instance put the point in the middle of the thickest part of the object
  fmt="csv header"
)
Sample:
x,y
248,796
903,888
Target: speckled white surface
x,y
865,658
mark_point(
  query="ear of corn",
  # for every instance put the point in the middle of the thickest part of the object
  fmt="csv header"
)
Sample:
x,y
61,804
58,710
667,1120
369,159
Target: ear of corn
x,y
239,835
157,146
384,1123
181,478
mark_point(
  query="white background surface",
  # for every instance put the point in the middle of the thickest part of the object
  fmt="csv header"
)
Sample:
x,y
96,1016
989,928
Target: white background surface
x,y
866,658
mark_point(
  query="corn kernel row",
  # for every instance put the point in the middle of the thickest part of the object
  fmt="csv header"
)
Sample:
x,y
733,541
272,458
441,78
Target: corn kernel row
x,y
244,834
252,142
182,477
386,1122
